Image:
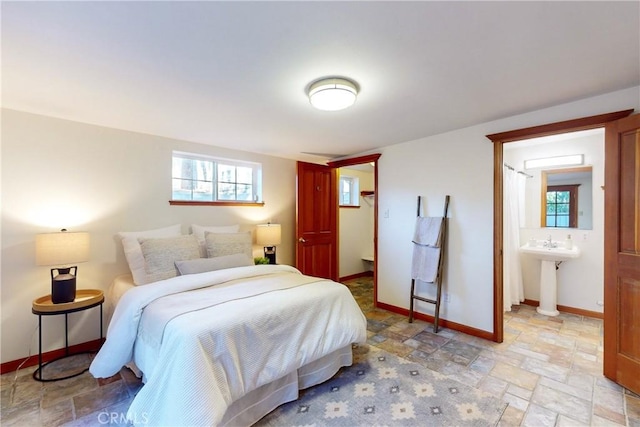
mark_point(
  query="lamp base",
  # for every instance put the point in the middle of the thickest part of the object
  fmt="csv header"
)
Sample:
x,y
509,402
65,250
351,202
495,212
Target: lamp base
x,y
270,254
63,286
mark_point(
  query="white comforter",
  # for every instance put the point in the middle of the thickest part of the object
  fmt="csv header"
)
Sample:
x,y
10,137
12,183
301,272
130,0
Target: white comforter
x,y
249,327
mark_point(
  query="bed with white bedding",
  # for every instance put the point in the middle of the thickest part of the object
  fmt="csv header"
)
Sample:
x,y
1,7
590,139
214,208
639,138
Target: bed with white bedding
x,y
226,347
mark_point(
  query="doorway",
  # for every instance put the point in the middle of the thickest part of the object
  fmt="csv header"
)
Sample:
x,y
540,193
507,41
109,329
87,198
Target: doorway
x,y
546,197
355,221
368,197
499,140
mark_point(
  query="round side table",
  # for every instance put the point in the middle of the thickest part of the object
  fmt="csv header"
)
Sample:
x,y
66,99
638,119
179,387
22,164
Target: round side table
x,y
43,306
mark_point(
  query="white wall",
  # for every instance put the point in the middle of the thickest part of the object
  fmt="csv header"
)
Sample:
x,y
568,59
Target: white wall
x,y
57,173
581,280
356,227
458,163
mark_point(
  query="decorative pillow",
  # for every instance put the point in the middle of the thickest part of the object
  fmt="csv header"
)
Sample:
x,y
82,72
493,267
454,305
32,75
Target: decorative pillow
x,y
199,230
132,251
201,265
220,244
160,255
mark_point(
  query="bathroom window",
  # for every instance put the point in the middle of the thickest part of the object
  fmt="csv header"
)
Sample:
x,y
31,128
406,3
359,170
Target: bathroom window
x,y
562,206
348,191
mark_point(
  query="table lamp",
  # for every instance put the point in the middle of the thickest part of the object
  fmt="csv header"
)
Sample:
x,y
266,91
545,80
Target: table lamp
x,y
62,248
269,235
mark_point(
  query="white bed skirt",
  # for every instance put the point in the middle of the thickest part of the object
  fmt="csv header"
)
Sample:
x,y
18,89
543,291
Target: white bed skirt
x,y
258,403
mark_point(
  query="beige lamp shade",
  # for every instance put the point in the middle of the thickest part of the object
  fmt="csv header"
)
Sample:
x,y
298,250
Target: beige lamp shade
x,y
268,234
62,248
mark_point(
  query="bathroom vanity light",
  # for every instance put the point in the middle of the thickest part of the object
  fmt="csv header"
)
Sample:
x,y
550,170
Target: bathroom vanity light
x,y
332,94
571,160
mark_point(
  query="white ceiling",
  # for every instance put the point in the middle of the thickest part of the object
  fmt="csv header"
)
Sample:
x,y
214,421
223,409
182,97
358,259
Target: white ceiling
x,y
234,74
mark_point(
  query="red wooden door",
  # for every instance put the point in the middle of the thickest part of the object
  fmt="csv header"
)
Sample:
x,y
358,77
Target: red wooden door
x,y
317,225
622,253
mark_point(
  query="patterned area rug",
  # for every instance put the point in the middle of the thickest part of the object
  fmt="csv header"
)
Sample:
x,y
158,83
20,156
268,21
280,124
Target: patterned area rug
x,y
381,389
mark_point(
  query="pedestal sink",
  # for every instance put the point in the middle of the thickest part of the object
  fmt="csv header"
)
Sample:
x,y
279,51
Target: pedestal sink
x,y
550,257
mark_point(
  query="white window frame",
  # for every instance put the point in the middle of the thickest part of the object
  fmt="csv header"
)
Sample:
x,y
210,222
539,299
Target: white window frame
x,y
354,199
256,179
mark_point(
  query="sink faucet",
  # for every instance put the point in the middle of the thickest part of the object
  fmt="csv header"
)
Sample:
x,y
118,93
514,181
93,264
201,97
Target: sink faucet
x,y
549,243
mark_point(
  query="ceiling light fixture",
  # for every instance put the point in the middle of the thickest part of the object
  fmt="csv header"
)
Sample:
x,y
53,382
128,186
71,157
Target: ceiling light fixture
x,y
332,94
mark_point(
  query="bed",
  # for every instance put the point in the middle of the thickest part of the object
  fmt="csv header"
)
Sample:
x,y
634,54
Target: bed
x,y
226,347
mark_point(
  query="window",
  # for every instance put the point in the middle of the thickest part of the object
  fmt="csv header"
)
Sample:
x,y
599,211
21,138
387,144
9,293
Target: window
x,y
562,206
348,191
207,179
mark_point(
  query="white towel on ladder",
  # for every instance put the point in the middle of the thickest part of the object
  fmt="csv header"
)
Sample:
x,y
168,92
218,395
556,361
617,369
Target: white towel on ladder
x,y
424,265
426,249
427,231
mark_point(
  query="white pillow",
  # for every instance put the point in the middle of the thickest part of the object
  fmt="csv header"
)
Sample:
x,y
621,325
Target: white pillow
x,y
220,244
161,254
202,265
200,230
132,251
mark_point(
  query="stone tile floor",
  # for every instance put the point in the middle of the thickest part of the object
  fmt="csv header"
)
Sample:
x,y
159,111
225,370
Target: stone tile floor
x,y
78,401
548,370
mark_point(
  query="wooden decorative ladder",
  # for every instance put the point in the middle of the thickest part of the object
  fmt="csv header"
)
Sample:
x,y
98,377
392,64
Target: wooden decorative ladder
x,y
438,278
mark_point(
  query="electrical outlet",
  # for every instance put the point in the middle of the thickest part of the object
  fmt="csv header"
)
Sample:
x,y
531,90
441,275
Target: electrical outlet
x,y
446,297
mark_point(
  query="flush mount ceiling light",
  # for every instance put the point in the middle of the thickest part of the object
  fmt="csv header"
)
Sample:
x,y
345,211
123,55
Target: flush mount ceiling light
x,y
332,94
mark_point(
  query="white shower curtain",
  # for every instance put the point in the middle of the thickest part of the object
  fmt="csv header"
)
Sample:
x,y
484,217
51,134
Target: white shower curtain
x,y
513,205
